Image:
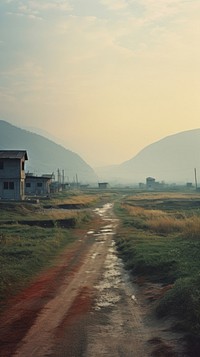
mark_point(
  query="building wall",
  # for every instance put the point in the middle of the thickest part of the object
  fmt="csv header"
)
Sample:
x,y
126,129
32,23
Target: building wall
x,y
11,189
103,185
37,186
12,168
12,176
150,183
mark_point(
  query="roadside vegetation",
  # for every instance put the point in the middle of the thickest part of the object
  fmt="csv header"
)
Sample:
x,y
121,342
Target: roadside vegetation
x,y
159,239
33,234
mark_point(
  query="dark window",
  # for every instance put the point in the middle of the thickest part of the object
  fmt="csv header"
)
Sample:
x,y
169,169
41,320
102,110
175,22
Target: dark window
x,y
39,184
1,165
5,185
8,185
28,184
11,186
22,165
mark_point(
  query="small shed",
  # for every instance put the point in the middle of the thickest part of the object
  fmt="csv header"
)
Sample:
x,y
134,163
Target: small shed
x,y
38,185
103,185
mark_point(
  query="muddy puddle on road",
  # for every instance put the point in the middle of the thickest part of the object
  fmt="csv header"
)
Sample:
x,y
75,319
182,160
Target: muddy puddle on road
x,y
116,328
114,273
119,325
108,293
112,277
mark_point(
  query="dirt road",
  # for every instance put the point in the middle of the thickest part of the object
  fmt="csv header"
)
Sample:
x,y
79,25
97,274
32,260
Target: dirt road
x,y
85,307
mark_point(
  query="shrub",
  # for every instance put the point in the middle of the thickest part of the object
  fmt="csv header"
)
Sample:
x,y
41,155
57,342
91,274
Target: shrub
x,y
183,301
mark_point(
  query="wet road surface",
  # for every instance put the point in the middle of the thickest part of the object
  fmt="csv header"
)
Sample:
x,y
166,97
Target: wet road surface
x,y
94,311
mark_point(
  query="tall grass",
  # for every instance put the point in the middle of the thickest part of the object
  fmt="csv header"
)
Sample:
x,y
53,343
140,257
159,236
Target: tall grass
x,y
192,228
75,198
163,196
141,211
163,222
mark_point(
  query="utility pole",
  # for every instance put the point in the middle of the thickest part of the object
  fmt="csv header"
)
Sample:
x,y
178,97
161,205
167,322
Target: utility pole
x,y
76,180
195,177
59,176
63,177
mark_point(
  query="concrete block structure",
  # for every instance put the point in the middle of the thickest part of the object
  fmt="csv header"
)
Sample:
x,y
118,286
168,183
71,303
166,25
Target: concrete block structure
x,y
37,185
12,174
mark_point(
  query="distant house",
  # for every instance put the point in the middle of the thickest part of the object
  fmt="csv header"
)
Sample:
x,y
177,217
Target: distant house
x,y
150,183
38,185
103,185
189,184
141,185
12,174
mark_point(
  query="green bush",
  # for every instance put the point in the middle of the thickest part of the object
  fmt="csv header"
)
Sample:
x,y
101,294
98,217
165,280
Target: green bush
x,y
183,301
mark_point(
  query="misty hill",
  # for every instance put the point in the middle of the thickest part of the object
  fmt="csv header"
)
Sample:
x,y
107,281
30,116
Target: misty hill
x,y
171,159
45,156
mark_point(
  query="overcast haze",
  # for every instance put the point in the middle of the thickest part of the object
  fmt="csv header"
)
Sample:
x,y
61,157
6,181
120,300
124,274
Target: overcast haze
x,y
107,77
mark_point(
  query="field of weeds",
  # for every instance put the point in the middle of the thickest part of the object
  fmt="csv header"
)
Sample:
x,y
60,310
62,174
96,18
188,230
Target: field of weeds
x,y
76,198
159,240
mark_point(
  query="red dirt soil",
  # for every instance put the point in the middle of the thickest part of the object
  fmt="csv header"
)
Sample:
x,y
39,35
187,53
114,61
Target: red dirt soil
x,y
22,310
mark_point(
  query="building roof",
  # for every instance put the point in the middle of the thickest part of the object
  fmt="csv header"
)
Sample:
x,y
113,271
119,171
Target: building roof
x,y
13,154
43,177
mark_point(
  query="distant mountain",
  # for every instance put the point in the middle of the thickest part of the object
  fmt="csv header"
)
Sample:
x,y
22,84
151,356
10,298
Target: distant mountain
x,y
171,159
45,156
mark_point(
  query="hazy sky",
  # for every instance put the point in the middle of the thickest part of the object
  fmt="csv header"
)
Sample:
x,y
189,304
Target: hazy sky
x,y
107,77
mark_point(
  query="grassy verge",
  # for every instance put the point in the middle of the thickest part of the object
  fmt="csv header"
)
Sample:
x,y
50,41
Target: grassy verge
x,y
26,249
163,244
51,208
86,198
